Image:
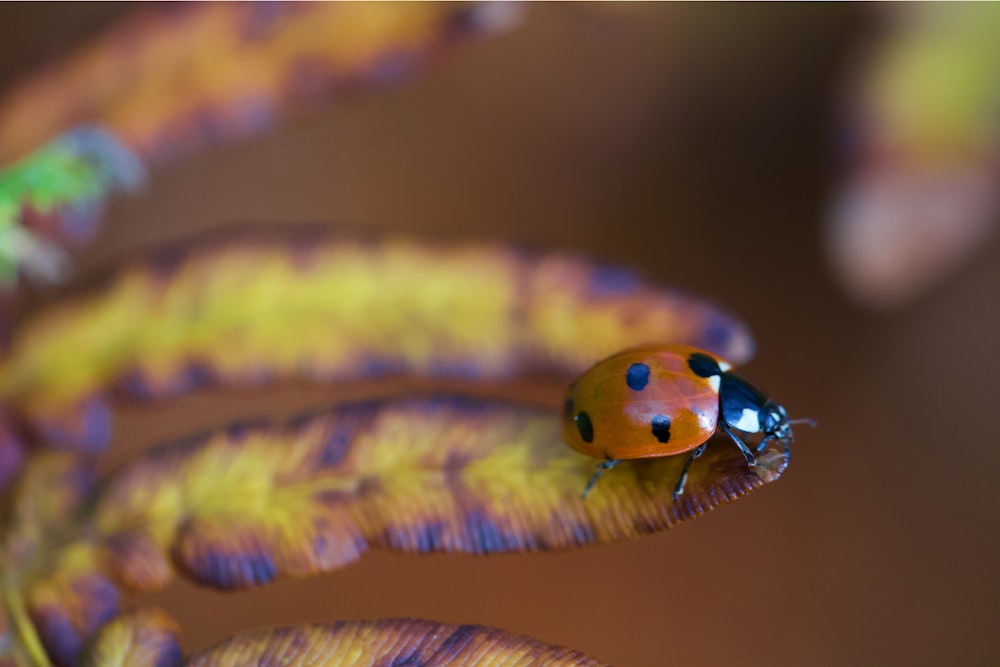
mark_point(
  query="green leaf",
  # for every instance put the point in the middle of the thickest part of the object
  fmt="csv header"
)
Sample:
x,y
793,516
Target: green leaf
x,y
59,190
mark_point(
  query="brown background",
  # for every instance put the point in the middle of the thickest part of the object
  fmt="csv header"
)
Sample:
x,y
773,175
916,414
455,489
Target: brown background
x,y
694,142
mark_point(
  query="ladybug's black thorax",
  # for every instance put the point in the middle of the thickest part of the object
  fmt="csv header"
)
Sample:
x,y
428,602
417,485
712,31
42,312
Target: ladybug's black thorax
x,y
741,404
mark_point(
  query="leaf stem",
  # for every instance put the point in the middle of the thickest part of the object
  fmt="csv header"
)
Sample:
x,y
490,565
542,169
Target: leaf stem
x,y
26,636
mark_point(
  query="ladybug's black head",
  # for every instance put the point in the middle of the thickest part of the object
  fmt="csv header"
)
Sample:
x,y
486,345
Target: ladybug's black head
x,y
775,422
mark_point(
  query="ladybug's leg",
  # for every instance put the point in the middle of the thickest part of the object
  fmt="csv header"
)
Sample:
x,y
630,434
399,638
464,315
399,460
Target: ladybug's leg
x,y
601,467
695,453
747,454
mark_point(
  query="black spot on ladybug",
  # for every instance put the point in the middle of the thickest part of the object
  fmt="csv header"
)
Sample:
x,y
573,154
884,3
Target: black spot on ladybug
x,y
703,365
584,426
568,407
637,376
661,427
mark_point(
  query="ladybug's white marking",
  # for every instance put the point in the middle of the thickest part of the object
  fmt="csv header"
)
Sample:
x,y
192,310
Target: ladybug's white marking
x,y
723,366
715,381
706,422
749,421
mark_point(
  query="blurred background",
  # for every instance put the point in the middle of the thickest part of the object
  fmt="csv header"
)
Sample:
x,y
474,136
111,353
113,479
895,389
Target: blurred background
x,y
704,145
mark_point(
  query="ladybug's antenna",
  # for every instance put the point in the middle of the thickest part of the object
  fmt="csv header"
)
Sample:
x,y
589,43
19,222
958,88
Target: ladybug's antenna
x,y
810,422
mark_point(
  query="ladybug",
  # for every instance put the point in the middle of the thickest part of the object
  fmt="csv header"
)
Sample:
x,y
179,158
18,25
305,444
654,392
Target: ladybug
x,y
666,399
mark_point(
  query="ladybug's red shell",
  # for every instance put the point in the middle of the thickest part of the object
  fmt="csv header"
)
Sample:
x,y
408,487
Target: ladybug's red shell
x,y
642,403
